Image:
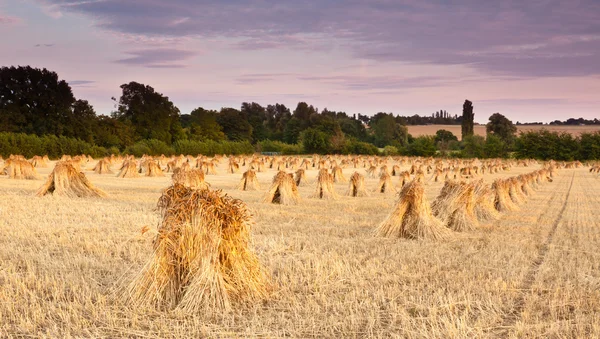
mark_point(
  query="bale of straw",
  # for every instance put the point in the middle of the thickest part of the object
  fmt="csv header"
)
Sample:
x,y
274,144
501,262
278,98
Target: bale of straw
x,y
445,203
19,168
103,167
128,170
65,180
412,217
202,261
371,171
300,177
234,167
325,189
404,178
463,217
515,192
38,161
283,190
525,182
153,170
484,203
502,201
385,184
338,175
193,178
357,186
249,181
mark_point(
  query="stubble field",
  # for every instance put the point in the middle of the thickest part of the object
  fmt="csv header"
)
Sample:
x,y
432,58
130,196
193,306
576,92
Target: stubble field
x,y
532,273
418,130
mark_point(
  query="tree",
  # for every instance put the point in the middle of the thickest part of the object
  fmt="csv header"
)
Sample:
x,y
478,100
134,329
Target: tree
x,y
501,127
83,121
203,125
315,141
277,118
257,117
152,115
34,101
386,131
443,135
473,146
494,147
235,125
303,112
422,146
292,130
467,119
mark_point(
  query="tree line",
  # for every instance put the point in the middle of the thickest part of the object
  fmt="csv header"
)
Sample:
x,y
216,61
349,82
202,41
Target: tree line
x,y
37,109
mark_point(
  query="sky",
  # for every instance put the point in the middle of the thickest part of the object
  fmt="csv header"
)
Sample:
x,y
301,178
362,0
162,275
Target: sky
x,y
535,60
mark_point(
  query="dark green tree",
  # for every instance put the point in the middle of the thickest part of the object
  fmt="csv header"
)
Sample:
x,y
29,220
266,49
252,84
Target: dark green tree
x,y
277,117
303,112
152,114
473,146
494,147
422,146
257,117
34,101
443,135
235,125
292,130
386,131
203,125
83,122
315,141
501,127
467,119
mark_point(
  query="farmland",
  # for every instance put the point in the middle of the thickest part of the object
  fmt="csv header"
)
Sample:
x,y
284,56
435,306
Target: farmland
x,y
533,272
418,130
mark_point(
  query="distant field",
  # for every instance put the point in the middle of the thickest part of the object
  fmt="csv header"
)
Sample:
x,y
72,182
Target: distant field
x,y
418,130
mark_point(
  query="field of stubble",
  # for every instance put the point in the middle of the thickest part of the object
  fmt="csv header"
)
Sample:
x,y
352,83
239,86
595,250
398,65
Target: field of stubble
x,y
532,273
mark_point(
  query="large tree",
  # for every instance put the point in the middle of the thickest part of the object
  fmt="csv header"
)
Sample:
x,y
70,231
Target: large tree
x,y
152,114
257,117
500,126
34,100
387,132
203,125
235,124
467,119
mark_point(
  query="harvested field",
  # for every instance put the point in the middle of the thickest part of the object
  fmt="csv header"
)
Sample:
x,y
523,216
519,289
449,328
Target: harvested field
x,y
534,272
417,130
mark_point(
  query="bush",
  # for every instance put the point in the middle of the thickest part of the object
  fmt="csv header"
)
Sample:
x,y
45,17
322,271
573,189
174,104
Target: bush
x,y
423,146
473,146
315,141
358,147
390,150
278,146
29,145
210,147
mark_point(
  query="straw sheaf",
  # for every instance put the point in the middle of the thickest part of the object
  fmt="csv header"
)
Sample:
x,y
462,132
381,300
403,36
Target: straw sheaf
x,y
357,186
202,261
66,180
249,181
412,217
283,190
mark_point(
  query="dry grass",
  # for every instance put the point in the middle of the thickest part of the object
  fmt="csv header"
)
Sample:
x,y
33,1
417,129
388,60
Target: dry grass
x,y
418,130
530,273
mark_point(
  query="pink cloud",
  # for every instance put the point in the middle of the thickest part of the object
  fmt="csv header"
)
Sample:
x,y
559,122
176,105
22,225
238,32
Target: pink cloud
x,y
9,20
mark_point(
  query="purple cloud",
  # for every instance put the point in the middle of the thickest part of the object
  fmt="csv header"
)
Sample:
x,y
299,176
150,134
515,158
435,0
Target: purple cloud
x,y
157,58
8,20
522,38
351,82
81,83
